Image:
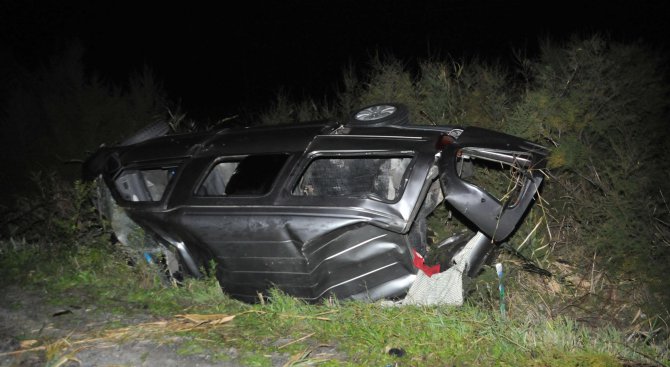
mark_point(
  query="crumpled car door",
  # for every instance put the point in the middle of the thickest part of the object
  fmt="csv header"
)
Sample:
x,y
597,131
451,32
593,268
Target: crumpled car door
x,y
496,219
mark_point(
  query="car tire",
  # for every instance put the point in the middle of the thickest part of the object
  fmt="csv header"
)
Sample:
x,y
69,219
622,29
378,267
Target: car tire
x,y
150,131
382,114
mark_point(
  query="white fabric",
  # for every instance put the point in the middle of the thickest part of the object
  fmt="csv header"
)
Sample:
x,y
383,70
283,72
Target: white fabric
x,y
445,288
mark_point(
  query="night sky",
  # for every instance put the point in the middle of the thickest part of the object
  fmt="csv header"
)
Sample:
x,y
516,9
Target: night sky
x,y
218,60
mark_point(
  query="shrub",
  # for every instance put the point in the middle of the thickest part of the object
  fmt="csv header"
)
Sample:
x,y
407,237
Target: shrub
x,y
59,113
603,106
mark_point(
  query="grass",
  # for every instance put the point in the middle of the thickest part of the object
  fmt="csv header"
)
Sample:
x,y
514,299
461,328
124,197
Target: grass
x,y
332,333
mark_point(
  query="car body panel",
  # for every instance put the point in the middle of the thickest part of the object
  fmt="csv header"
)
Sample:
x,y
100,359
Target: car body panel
x,y
315,245
495,219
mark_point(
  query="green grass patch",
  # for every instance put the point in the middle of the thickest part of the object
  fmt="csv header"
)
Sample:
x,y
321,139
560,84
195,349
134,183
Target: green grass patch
x,y
332,333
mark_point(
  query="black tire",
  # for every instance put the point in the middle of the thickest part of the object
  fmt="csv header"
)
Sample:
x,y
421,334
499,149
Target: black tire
x,y
150,131
381,114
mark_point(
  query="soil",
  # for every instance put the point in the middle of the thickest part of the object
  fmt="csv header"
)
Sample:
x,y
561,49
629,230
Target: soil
x,y
27,317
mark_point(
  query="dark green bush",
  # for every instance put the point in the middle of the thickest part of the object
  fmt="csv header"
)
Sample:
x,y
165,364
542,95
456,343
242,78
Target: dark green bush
x,y
54,116
603,107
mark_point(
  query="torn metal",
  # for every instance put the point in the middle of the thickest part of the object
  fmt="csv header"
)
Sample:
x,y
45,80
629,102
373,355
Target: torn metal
x,y
323,208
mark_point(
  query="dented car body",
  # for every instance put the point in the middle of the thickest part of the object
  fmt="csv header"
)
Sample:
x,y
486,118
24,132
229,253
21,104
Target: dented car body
x,y
322,208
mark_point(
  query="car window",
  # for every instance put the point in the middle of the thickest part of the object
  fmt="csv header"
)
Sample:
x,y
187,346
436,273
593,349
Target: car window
x,y
366,177
217,179
252,175
144,184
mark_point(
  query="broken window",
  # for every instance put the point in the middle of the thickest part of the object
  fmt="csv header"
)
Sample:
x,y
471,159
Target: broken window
x,y
252,175
144,185
217,179
499,173
379,178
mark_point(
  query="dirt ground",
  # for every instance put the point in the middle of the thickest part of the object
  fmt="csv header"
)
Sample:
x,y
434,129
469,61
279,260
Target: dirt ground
x,y
28,321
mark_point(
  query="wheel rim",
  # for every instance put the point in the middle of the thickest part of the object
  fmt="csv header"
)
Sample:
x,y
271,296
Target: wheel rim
x,y
375,113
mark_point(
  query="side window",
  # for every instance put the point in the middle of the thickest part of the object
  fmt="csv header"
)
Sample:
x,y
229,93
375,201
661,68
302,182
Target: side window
x,y
217,179
379,178
252,175
144,184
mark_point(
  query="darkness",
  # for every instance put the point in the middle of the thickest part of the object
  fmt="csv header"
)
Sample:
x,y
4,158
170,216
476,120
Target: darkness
x,y
216,61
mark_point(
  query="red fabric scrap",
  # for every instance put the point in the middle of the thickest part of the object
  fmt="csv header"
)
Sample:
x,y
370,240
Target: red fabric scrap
x,y
419,264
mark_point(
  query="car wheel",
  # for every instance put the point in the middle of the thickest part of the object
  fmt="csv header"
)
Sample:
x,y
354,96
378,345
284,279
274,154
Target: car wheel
x,y
380,115
150,131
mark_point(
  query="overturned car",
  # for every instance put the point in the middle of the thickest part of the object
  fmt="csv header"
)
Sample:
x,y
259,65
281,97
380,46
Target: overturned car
x,y
353,210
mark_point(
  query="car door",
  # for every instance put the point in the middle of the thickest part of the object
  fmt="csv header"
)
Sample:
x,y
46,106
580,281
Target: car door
x,y
496,218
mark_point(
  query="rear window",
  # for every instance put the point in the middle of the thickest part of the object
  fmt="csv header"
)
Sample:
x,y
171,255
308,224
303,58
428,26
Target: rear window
x,y
252,175
144,184
379,178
